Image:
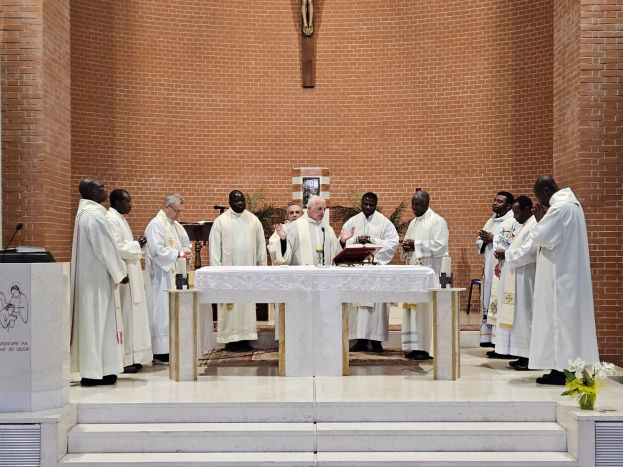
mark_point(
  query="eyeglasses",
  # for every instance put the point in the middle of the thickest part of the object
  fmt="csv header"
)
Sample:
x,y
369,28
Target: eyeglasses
x,y
177,211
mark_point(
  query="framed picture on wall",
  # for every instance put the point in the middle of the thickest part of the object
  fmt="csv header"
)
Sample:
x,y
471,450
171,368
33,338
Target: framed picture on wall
x,y
311,187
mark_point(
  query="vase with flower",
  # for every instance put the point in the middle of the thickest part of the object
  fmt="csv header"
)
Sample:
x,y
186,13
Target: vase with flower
x,y
583,381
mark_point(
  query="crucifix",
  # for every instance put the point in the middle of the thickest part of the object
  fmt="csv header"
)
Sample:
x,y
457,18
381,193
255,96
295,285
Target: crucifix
x,y
308,66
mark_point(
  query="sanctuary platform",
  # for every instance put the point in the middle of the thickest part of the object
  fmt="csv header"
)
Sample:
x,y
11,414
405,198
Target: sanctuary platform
x,y
378,416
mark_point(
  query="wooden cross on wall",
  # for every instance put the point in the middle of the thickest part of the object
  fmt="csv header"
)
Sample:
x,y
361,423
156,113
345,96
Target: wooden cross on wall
x,y
308,67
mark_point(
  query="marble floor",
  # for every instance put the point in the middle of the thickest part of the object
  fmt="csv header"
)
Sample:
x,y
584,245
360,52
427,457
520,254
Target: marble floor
x,y
481,379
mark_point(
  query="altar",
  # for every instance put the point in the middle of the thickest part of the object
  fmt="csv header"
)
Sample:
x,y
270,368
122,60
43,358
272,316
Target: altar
x,y
315,344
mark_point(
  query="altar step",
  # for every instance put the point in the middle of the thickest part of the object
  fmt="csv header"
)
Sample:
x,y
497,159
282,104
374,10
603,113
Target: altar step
x,y
328,459
321,437
457,434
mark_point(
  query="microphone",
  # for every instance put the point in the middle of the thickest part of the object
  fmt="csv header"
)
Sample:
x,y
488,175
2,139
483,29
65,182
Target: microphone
x,y
18,227
323,240
220,208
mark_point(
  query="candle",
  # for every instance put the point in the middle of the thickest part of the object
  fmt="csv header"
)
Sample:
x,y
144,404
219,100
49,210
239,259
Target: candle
x,y
446,265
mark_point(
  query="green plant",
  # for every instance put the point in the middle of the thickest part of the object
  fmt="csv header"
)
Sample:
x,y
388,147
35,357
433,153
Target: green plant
x,y
268,214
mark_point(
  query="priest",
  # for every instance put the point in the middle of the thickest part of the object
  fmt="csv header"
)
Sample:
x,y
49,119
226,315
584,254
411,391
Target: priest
x,y
307,241
96,272
369,322
563,326
425,244
237,239
516,288
500,224
294,211
136,337
167,246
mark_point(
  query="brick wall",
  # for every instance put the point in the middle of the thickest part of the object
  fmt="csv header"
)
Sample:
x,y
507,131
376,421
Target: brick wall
x,y
204,97
36,158
588,143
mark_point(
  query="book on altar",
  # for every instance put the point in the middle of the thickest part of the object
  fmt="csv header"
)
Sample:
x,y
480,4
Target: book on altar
x,y
356,254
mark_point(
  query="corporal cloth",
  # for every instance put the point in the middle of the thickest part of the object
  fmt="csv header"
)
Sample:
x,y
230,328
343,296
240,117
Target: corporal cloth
x,y
371,320
497,226
137,340
97,270
430,235
165,240
563,325
516,289
237,239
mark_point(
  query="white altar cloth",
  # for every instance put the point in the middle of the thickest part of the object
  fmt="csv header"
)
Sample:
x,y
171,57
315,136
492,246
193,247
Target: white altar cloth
x,y
313,297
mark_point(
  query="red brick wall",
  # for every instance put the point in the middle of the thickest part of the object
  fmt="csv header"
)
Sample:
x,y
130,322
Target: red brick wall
x,y
588,143
204,97
36,158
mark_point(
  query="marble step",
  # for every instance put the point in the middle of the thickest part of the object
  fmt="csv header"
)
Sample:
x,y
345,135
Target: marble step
x,y
323,459
437,411
192,412
188,459
445,459
441,436
192,437
301,412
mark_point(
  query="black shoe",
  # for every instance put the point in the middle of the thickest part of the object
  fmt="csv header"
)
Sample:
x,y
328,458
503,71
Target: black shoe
x,y
130,369
487,344
161,359
376,346
360,346
138,366
519,364
419,355
555,378
109,379
499,356
89,382
238,346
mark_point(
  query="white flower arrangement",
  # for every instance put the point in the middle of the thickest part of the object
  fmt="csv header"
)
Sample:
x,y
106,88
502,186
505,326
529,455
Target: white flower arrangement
x,y
583,381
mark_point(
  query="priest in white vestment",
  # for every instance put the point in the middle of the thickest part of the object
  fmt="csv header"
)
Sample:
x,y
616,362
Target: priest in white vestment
x,y
369,322
237,239
516,289
425,244
500,223
563,325
167,245
96,272
294,211
306,241
136,334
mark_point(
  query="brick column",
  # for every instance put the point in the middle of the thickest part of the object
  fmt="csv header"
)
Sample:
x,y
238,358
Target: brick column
x,y
36,122
588,143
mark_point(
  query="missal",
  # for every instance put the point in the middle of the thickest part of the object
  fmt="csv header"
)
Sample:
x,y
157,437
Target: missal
x,y
356,254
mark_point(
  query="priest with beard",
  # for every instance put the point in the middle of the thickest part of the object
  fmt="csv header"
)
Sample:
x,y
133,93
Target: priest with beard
x,y
496,231
369,322
237,239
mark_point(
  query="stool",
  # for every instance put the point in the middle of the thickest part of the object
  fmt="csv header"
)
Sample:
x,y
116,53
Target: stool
x,y
472,283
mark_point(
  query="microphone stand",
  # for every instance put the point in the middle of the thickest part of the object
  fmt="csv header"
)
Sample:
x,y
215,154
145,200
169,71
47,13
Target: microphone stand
x,y
18,227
